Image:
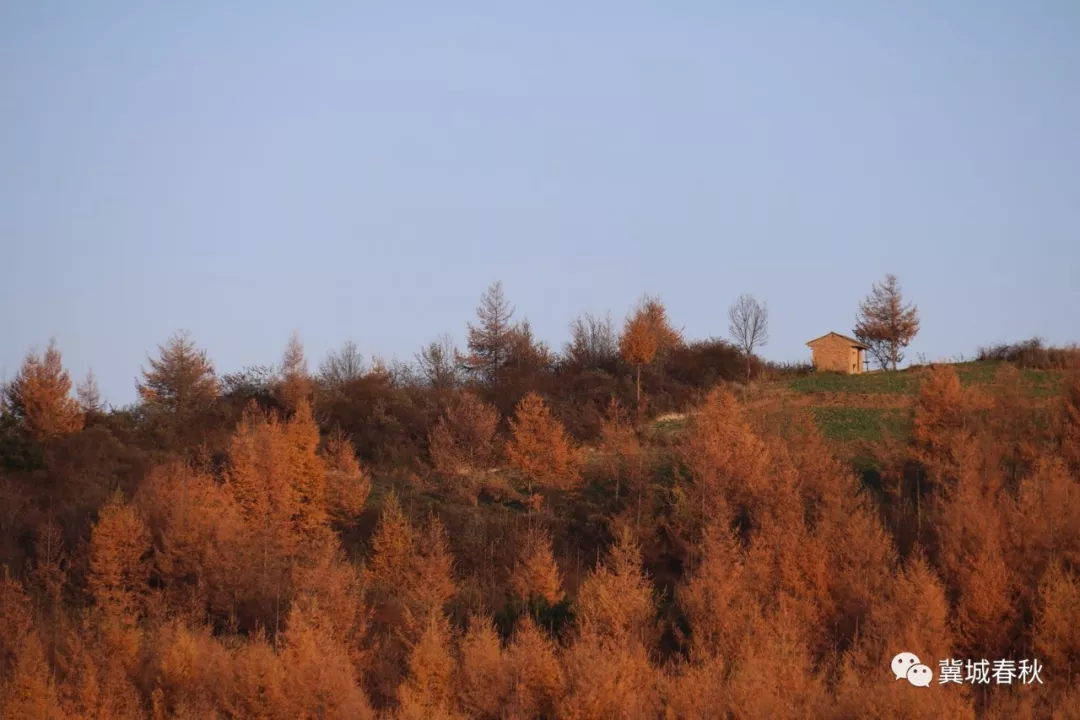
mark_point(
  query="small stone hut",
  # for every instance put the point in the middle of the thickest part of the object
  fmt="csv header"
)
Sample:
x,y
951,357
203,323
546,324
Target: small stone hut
x,y
838,353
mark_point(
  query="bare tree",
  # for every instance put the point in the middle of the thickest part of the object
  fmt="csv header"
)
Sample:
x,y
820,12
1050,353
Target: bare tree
x,y
885,324
880,351
342,366
749,326
438,363
594,342
89,395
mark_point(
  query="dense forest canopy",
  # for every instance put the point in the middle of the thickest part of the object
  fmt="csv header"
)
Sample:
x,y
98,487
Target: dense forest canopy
x,y
639,525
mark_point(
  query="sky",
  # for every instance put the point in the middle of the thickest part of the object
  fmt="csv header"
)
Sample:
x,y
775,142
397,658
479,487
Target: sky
x,y
364,170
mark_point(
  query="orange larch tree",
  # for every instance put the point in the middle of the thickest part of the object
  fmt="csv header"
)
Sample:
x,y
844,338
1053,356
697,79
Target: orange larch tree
x,y
199,538
539,447
1043,524
430,584
483,683
607,679
942,423
972,545
463,440
277,479
392,548
621,451
616,599
537,680
259,479
317,673
886,324
26,686
178,388
1068,430
119,577
47,572
725,459
348,484
1012,423
717,604
1057,622
192,671
181,381
427,691
258,684
536,574
646,334
608,671
308,473
911,614
410,579
294,385
40,397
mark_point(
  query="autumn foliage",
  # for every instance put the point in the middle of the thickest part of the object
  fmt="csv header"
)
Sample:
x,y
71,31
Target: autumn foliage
x,y
647,334
463,441
281,544
536,573
348,484
40,397
886,324
539,448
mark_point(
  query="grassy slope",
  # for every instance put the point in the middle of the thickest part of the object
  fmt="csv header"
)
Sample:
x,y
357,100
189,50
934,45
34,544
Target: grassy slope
x,y
871,406
906,382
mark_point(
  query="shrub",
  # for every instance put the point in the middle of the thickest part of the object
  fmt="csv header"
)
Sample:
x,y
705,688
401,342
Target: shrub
x,y
1034,354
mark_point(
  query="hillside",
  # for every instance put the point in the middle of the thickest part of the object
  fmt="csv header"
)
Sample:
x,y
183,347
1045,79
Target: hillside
x,y
637,541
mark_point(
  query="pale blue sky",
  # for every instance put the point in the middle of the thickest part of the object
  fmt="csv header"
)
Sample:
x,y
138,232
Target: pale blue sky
x,y
363,170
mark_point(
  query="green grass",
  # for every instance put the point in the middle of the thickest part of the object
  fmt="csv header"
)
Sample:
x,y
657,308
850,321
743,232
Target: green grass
x,y
976,373
850,424
868,383
1036,382
1042,382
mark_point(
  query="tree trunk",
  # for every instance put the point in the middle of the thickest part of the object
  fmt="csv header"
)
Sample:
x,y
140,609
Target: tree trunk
x,y
639,498
618,478
918,506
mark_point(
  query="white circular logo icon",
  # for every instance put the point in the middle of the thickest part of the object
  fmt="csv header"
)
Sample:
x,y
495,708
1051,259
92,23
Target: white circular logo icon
x,y
907,666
